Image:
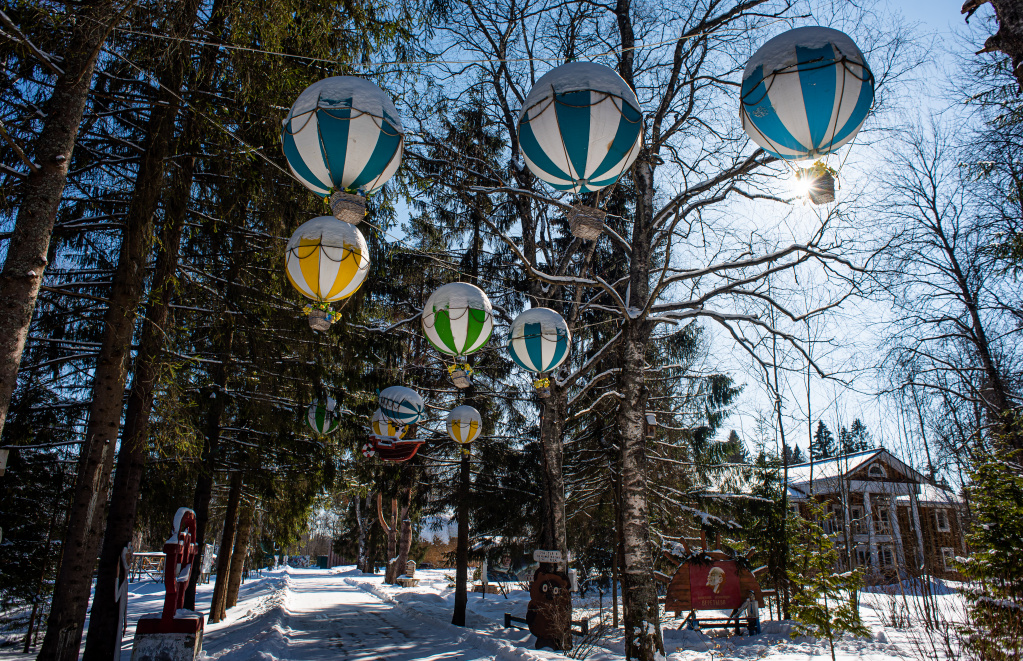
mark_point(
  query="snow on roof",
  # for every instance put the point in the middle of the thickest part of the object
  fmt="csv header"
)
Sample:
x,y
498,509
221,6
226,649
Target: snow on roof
x,y
831,468
931,494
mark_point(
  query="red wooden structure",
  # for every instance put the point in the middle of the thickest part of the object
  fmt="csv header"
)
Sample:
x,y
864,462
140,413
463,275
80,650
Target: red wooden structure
x,y
181,550
394,449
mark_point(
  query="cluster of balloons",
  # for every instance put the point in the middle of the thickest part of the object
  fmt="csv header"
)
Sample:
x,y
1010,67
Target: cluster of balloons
x,y
342,139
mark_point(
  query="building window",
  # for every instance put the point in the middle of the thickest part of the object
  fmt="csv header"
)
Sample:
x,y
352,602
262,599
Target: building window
x,y
948,556
858,527
885,555
795,508
884,524
876,470
942,518
862,556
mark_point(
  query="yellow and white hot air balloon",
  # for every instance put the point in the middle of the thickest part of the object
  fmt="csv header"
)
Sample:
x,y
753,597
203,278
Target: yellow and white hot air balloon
x,y
464,424
382,426
327,260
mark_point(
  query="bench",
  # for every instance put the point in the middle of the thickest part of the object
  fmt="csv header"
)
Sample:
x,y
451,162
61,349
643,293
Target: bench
x,y
512,622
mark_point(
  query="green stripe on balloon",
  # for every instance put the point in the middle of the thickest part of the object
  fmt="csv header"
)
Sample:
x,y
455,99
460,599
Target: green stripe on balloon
x,y
475,321
442,327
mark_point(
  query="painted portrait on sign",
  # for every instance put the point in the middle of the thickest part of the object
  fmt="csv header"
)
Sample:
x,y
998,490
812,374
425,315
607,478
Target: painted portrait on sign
x,y
715,586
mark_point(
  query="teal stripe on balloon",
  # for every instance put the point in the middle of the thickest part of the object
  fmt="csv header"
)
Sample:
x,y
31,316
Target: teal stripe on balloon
x,y
624,140
817,82
388,141
532,149
532,335
333,126
296,162
515,356
573,112
863,103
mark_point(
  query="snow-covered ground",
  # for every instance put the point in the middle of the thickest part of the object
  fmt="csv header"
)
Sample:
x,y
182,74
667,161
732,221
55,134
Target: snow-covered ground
x,y
312,614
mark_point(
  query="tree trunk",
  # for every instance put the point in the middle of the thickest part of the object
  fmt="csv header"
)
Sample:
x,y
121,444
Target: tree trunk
x,y
71,592
392,535
241,552
364,519
554,533
405,534
217,607
1009,38
210,455
462,542
27,252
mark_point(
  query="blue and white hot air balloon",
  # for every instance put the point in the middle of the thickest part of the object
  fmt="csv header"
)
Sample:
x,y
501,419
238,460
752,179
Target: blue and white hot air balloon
x,y
539,340
343,133
580,127
401,405
805,93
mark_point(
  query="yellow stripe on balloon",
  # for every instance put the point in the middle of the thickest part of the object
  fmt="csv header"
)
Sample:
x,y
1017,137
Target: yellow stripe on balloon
x,y
347,270
310,265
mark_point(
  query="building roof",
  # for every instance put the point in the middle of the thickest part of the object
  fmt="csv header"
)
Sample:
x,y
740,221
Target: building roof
x,y
834,468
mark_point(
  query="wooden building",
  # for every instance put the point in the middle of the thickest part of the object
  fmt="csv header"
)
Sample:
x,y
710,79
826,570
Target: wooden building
x,y
888,518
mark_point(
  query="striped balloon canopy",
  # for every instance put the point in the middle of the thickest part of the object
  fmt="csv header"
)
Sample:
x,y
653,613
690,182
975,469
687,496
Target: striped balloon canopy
x,y
458,319
343,133
327,260
539,340
464,424
322,417
806,93
401,405
580,127
381,426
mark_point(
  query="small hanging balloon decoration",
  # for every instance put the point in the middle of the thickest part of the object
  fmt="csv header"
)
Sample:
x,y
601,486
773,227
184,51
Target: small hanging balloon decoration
x,y
327,261
539,341
322,417
805,93
386,433
458,320
464,424
342,139
579,129
401,405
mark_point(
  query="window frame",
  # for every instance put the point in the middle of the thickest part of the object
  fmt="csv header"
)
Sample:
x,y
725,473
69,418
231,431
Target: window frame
x,y
880,469
940,514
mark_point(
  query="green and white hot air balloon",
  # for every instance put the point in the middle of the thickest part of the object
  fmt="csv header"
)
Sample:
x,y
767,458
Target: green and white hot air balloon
x,y
322,417
458,320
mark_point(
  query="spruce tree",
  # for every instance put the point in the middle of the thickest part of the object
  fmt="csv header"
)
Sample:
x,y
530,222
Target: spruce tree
x,y
823,445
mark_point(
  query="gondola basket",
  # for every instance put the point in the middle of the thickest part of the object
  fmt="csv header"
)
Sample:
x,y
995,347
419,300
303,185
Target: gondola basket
x,y
348,207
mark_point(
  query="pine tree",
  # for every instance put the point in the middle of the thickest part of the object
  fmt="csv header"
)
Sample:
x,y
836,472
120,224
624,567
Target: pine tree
x,y
859,437
823,443
822,601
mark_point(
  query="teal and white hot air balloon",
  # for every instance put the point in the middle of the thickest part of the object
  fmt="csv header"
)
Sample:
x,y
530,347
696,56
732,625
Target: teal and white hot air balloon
x,y
458,320
539,341
805,93
580,130
401,405
322,417
579,127
343,138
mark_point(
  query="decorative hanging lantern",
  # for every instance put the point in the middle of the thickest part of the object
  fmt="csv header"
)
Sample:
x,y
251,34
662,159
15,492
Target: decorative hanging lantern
x,y
323,418
464,424
458,320
327,261
381,426
401,405
343,138
805,93
579,130
539,341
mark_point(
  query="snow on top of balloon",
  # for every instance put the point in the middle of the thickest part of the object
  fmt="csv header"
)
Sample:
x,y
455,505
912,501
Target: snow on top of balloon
x,y
343,134
579,127
805,93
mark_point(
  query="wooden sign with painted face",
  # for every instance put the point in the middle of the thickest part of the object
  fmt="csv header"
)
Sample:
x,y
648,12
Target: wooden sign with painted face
x,y
716,585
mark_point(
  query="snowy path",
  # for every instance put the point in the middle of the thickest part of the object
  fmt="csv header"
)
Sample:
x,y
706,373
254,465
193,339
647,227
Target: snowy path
x,y
313,615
